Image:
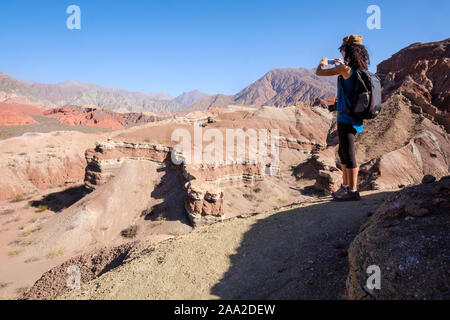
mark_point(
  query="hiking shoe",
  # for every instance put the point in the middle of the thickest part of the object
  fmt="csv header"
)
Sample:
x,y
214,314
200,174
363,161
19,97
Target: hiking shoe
x,y
340,192
348,196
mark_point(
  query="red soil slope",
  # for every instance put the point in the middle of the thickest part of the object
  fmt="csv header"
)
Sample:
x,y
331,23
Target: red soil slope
x,y
17,114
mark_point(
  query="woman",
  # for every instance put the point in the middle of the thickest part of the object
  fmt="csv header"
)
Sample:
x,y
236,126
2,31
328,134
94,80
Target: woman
x,y
356,57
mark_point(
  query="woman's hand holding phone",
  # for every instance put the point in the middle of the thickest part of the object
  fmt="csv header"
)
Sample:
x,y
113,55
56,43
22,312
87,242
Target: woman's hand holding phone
x,y
338,60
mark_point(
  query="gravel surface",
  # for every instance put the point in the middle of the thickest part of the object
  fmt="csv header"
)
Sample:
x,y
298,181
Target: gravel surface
x,y
294,253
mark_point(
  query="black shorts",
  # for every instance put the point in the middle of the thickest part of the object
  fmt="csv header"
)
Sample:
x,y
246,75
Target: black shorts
x,y
347,145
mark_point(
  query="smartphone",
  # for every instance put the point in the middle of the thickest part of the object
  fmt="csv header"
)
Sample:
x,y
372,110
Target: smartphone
x,y
331,62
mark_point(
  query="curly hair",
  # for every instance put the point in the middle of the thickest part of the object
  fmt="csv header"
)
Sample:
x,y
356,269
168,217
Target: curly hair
x,y
356,55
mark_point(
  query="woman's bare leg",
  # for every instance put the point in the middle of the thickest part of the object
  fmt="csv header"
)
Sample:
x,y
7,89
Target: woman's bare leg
x,y
353,178
344,175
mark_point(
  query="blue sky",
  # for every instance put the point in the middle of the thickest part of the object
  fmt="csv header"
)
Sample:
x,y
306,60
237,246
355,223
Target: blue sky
x,y
216,46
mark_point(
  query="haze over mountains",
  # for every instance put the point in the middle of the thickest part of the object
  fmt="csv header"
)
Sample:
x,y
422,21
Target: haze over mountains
x,y
12,89
79,93
278,87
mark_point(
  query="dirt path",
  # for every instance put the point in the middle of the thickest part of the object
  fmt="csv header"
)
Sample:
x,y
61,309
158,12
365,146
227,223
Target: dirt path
x,y
297,253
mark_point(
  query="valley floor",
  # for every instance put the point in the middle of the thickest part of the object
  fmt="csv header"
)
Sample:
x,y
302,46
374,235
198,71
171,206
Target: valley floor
x,y
296,253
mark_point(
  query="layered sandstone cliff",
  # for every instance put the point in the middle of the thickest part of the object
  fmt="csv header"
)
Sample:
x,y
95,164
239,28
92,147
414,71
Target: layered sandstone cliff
x,y
420,73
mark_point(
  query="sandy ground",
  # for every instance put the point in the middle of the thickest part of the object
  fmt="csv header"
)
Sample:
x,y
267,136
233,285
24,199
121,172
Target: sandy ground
x,y
18,223
291,253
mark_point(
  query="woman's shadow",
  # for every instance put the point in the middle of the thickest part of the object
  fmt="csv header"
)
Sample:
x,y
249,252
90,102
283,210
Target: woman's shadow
x,y
297,254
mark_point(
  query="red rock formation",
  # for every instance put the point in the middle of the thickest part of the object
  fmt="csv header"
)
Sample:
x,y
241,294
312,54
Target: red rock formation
x,y
420,73
86,116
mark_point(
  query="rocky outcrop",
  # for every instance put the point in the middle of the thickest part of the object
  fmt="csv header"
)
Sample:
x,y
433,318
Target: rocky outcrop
x,y
204,203
408,238
129,119
427,153
204,197
321,167
108,157
420,73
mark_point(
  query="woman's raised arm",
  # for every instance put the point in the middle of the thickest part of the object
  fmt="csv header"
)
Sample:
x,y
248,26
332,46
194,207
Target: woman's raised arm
x,y
341,69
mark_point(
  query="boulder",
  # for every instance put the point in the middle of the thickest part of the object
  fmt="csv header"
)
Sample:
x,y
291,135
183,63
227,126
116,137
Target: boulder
x,y
408,238
428,178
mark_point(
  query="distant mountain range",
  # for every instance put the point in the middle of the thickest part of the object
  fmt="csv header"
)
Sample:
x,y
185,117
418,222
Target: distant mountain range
x,y
189,98
14,90
279,87
120,100
79,93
